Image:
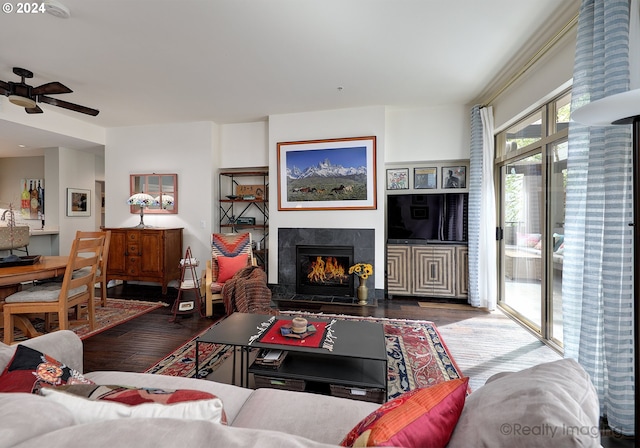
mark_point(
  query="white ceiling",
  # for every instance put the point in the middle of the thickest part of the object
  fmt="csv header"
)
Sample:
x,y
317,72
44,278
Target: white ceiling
x,y
230,61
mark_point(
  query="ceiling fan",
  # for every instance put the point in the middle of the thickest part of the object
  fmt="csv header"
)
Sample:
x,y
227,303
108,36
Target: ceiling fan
x,y
24,95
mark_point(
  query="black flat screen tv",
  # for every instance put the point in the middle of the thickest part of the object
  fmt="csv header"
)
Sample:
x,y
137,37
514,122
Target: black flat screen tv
x,y
427,217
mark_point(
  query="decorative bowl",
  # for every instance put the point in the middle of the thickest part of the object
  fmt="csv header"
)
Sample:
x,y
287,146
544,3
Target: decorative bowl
x,y
232,196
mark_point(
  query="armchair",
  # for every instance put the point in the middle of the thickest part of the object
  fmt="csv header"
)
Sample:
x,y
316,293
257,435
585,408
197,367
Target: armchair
x,y
224,263
74,291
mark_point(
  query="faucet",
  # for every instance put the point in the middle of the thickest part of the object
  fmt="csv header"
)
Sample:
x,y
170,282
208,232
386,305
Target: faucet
x,y
12,218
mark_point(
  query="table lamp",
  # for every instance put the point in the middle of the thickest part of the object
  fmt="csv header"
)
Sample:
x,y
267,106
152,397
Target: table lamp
x,y
165,200
624,108
142,200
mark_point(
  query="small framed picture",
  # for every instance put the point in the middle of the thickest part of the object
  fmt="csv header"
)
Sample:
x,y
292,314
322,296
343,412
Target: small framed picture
x,y
454,177
398,179
425,178
78,202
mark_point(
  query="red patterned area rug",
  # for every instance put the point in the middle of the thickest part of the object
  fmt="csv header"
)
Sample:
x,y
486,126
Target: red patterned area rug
x,y
115,313
417,355
181,362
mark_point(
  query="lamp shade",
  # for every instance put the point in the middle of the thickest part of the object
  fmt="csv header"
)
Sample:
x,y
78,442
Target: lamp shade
x,y
165,200
142,200
614,109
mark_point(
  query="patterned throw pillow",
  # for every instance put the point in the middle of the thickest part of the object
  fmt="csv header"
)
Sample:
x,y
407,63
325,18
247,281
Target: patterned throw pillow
x,y
423,418
30,370
90,403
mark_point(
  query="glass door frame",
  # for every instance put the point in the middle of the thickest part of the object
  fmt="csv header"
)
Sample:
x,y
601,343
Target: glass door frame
x,y
551,135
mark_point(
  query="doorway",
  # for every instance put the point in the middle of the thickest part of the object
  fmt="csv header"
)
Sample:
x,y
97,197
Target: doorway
x,y
531,173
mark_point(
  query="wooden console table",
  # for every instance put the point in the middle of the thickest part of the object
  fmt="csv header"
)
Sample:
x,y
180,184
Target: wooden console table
x,y
145,255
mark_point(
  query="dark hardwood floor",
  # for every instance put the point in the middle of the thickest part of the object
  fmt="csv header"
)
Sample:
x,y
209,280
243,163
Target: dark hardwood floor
x,y
136,345
140,343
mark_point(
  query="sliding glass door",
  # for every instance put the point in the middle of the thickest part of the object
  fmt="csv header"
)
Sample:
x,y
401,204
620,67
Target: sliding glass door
x,y
521,255
532,167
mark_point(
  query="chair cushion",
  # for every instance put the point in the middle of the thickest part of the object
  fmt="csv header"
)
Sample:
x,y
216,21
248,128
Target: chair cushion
x,y
228,266
44,293
85,271
216,287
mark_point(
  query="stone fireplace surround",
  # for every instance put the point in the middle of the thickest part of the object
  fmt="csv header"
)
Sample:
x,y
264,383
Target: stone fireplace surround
x,y
362,240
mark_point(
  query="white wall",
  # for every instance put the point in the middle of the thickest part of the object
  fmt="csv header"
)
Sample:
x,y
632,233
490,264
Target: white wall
x,y
187,149
61,168
547,78
427,134
76,169
322,125
12,169
244,145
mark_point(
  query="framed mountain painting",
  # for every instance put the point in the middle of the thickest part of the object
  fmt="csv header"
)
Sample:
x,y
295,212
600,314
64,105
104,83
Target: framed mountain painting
x,y
329,174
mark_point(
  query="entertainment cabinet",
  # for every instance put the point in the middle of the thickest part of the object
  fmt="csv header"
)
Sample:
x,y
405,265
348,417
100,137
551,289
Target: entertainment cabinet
x,y
427,230
427,270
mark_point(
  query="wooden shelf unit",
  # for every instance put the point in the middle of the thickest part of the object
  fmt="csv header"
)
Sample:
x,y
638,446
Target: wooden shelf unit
x,y
232,210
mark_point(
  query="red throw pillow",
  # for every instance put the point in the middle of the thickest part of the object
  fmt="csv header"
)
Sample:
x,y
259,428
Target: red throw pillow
x,y
228,266
30,370
422,418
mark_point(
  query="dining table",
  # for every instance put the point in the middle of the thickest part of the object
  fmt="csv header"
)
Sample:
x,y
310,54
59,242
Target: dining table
x,y
12,278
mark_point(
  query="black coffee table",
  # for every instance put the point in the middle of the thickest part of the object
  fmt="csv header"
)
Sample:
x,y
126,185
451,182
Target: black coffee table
x,y
358,358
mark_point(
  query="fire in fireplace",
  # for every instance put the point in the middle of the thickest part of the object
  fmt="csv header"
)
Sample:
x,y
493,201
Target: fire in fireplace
x,y
324,270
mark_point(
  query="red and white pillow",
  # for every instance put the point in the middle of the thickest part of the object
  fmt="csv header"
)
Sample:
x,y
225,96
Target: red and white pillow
x,y
91,403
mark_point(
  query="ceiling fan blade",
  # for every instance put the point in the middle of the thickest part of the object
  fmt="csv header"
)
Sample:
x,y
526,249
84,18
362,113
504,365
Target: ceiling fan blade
x,y
67,105
5,89
33,110
51,88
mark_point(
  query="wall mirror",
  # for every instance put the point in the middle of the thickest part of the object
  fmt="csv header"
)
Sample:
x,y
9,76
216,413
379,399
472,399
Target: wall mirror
x,y
163,187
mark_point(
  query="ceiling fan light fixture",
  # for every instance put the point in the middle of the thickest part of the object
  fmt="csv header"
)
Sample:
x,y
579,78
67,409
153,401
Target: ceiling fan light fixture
x,y
22,101
57,9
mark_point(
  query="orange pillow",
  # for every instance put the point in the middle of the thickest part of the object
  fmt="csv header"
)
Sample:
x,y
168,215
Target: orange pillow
x,y
422,418
228,266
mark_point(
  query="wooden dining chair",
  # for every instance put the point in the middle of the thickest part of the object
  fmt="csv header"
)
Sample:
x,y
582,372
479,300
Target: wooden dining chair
x,y
101,274
59,298
225,247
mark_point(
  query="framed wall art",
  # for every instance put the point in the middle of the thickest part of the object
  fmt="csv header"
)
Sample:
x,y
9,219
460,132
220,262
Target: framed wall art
x,y
329,174
32,198
78,202
398,179
454,177
425,178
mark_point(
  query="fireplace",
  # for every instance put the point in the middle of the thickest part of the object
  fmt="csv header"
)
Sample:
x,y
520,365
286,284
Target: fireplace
x,y
324,270
360,241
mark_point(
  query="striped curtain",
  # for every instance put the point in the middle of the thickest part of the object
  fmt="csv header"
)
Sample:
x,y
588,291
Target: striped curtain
x,y
482,221
597,290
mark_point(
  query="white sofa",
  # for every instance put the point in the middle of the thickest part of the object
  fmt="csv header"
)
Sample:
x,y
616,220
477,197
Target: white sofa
x,y
553,395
